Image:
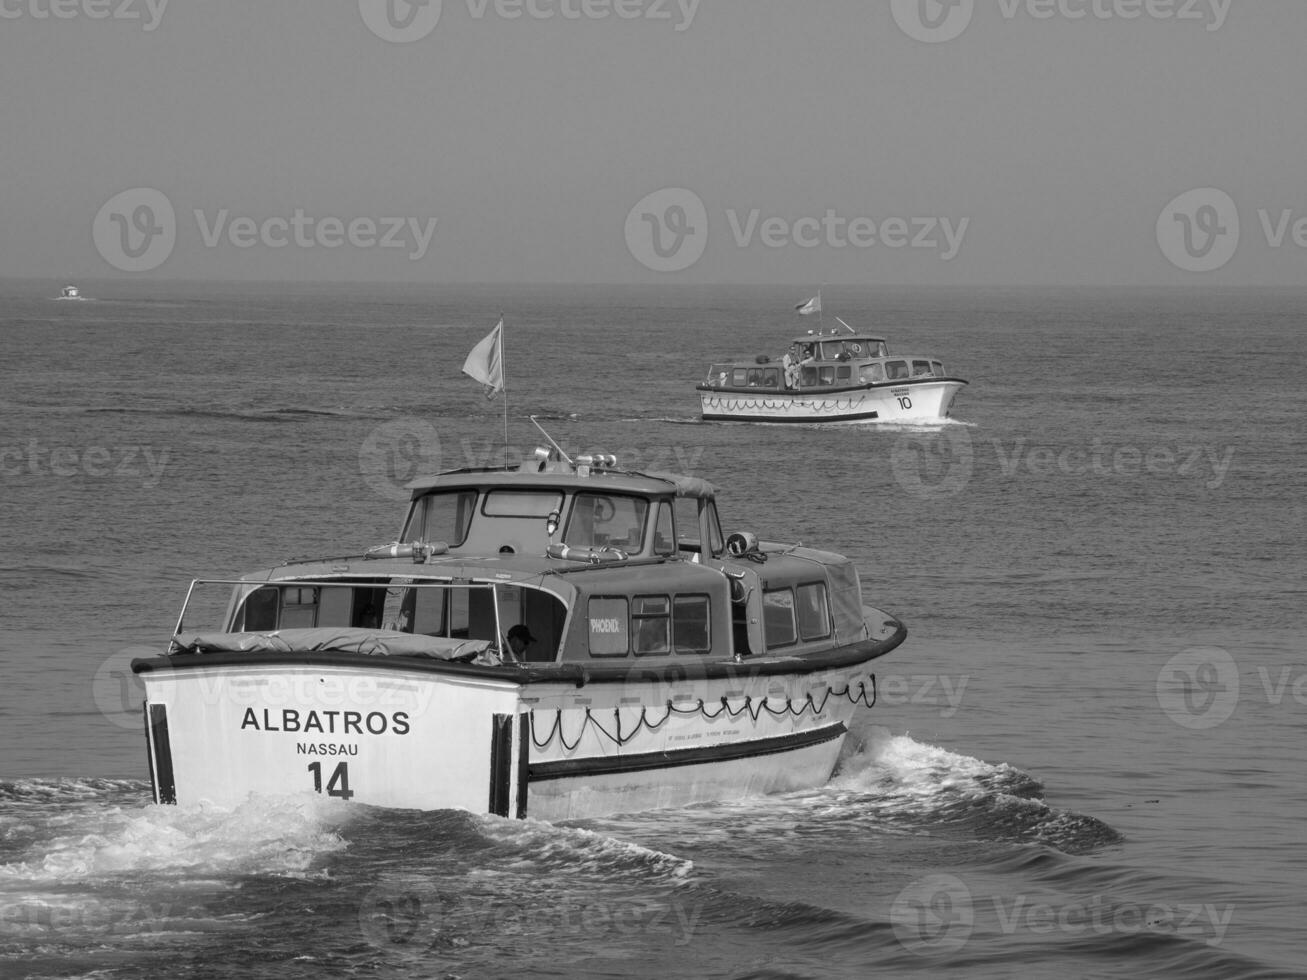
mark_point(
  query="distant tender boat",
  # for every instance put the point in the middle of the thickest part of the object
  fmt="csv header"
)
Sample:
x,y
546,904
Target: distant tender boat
x,y
70,292
559,639
835,376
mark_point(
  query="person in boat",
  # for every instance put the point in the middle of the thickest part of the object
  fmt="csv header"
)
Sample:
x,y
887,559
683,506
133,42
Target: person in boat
x,y
519,637
795,361
791,369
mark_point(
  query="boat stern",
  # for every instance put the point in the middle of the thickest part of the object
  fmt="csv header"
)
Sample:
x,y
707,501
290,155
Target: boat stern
x,y
224,731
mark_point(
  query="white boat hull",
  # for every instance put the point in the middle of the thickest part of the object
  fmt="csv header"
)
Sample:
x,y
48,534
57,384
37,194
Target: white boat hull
x,y
425,739
904,402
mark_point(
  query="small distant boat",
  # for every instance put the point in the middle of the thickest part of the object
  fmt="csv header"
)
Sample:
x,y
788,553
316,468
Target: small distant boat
x,y
70,292
830,376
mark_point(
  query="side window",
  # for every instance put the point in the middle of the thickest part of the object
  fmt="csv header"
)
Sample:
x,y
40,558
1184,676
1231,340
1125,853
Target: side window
x,y
896,370
771,377
920,369
261,610
690,624
651,624
813,611
665,531
299,607
843,373
939,368
608,618
716,541
827,375
778,617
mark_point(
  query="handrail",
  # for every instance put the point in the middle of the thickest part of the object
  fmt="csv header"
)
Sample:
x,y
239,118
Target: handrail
x,y
345,579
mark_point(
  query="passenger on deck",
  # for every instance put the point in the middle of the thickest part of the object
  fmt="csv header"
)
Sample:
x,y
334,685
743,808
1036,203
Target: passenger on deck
x,y
519,637
791,367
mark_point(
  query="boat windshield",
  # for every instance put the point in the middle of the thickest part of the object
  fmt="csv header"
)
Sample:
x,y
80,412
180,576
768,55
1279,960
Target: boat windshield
x,y
833,350
601,520
441,516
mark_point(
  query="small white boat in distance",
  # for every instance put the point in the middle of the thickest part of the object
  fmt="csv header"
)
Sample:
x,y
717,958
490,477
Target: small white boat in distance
x,y
832,376
70,292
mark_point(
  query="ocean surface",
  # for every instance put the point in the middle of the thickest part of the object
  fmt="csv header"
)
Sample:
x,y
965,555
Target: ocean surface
x,y
1087,760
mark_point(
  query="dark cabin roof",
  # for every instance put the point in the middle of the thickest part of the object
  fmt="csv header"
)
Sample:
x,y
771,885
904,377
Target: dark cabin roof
x,y
560,476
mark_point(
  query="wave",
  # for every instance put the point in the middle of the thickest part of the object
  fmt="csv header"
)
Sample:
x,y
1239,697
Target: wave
x,y
282,414
70,831
917,786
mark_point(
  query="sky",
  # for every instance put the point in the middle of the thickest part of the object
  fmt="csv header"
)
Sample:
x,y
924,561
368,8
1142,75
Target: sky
x,y
1005,142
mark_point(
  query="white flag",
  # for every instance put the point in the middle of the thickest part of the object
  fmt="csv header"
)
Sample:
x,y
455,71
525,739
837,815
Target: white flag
x,y
486,362
812,306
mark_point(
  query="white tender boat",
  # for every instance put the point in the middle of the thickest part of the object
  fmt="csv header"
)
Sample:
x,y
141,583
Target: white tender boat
x,y
830,377
556,640
70,292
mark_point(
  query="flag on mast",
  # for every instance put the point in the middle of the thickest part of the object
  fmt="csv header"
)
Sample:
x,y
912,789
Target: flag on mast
x,y
486,362
811,306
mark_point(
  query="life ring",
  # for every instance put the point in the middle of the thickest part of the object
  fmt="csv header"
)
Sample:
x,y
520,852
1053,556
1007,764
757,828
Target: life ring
x,y
592,556
856,348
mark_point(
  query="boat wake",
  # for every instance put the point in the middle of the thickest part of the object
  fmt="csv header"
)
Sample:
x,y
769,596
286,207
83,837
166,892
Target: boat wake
x,y
58,832
887,784
549,848
916,787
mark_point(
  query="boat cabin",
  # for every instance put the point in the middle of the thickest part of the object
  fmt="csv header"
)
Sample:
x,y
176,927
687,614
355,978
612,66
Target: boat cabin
x,y
817,361
600,566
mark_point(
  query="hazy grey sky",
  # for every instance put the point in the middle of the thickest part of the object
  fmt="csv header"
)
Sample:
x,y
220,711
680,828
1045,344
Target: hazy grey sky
x,y
1000,141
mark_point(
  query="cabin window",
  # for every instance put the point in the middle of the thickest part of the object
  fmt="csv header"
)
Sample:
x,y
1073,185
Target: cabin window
x,y
844,373
423,611
442,517
771,377
872,373
826,375
665,531
896,370
299,608
608,618
813,611
939,368
740,377
335,606
778,617
921,369
600,520
651,620
690,624
520,503
809,376
832,349
261,610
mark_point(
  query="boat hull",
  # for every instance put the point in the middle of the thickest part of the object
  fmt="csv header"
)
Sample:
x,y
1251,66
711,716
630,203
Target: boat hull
x,y
909,401
539,743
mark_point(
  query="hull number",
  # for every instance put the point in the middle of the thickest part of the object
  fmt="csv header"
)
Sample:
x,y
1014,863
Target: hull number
x,y
904,401
337,784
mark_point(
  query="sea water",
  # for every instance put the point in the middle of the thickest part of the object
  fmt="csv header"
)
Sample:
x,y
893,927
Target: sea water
x,y
1086,760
